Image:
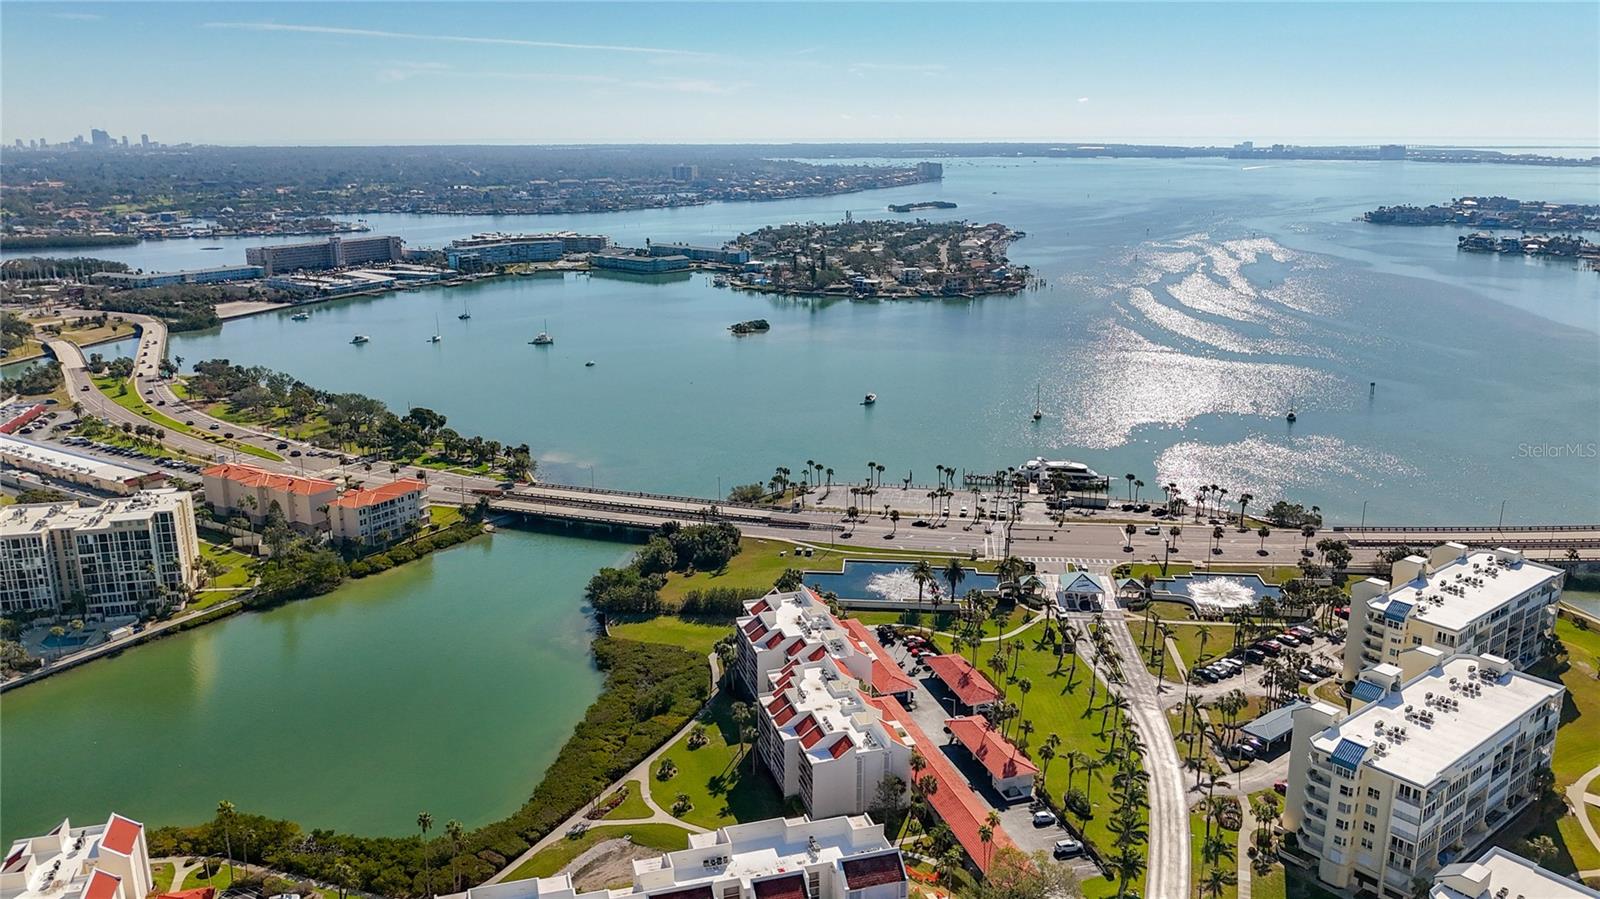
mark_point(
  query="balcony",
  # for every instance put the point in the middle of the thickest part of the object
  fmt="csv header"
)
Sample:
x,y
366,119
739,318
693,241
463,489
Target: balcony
x,y
1316,794
1317,777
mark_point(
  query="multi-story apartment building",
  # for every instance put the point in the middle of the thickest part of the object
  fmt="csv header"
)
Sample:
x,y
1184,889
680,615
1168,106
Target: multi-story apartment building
x,y
218,275
63,464
335,252
824,743
628,261
723,255
794,858
473,254
103,861
380,514
117,557
780,627
1435,755
1499,874
236,489
1458,600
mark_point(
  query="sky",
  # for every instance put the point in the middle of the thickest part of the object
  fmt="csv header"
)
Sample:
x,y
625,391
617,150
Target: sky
x,y
577,72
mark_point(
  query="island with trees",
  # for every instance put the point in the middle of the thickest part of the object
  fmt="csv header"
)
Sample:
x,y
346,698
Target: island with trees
x,y
882,259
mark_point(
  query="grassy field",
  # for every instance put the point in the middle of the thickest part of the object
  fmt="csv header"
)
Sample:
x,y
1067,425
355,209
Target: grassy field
x,y
718,779
696,636
632,806
444,516
125,396
1060,705
161,876
276,418
1197,864
553,858
238,564
1272,886
197,878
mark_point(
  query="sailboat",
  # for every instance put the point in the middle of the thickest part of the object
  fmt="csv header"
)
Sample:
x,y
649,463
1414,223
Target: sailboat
x,y
466,312
1291,416
436,335
543,338
1038,408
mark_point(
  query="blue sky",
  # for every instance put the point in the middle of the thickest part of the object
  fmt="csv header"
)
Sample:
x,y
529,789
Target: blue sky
x,y
377,72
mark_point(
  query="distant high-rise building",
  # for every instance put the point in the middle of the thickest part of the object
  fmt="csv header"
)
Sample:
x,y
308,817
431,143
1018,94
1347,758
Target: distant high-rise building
x,y
43,143
685,172
334,252
144,140
124,140
930,171
19,143
99,138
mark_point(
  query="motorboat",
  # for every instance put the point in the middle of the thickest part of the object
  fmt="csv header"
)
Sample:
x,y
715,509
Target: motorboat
x,y
543,338
360,339
1038,408
300,317
870,399
589,364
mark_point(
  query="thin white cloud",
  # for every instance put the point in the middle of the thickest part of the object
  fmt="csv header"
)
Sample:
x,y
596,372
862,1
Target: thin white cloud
x,y
407,71
898,66
1083,99
447,38
77,16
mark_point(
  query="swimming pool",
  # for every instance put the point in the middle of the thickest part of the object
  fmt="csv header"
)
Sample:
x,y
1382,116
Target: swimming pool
x,y
891,581
68,640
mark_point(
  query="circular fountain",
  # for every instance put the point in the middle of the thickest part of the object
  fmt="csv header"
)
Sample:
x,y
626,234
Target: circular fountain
x,y
1221,594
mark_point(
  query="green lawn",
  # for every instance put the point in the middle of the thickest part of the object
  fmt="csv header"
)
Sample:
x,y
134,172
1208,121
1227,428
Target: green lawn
x,y
129,399
197,878
1197,865
633,805
696,636
1271,886
161,876
444,516
721,783
1576,751
1060,705
1167,610
239,566
553,858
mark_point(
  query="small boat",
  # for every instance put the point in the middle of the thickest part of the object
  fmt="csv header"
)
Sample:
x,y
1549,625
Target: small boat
x,y
543,338
1038,408
360,339
870,399
589,364
719,281
300,317
1291,416
436,335
466,312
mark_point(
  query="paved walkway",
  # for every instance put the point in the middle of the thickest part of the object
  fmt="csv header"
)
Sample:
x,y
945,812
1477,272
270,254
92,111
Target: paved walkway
x,y
1168,874
639,777
1242,859
1578,796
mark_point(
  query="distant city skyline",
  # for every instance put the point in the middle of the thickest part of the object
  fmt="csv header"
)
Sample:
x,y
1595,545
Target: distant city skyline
x,y
377,73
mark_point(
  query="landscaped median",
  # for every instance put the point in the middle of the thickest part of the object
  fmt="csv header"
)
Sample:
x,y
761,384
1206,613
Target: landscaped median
x,y
120,392
551,859
721,777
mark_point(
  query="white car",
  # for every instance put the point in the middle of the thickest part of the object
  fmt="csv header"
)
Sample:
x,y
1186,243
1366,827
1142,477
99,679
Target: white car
x,y
1043,818
1067,848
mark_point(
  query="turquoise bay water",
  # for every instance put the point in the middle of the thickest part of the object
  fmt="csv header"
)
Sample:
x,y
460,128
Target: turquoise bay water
x,y
1188,305
446,685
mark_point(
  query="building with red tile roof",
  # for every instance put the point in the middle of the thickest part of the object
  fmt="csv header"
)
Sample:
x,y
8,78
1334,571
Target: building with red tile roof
x,y
966,683
380,514
101,861
234,488
961,810
1010,771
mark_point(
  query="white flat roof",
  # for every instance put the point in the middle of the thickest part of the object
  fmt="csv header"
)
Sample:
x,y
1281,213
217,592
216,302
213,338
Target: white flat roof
x,y
796,614
1460,592
1427,751
65,459
39,517
763,847
820,691
1498,869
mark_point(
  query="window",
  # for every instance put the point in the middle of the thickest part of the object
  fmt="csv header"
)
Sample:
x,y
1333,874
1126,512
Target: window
x,y
1344,790
1369,827
1372,793
1372,809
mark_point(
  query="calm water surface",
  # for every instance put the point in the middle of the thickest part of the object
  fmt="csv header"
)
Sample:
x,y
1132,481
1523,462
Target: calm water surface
x,y
1188,305
455,679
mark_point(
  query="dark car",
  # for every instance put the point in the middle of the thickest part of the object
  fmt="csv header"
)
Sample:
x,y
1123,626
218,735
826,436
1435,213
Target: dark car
x,y
294,454
282,445
1254,656
213,426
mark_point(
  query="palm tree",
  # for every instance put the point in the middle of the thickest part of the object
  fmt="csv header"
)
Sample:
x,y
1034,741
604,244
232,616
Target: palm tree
x,y
1137,486
454,830
425,824
922,574
1130,478
1307,532
954,574
1216,539
894,517
1244,500
1263,532
225,815
1216,882
1024,685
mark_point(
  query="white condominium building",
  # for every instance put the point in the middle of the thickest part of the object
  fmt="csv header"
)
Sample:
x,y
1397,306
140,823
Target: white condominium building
x,y
781,626
824,743
795,858
1436,754
1504,875
117,556
380,514
236,489
104,861
1458,600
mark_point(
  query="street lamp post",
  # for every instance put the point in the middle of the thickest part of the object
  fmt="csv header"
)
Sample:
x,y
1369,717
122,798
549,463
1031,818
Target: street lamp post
x,y
1502,524
1363,514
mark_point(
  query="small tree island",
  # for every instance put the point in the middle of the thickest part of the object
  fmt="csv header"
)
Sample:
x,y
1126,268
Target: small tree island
x,y
883,259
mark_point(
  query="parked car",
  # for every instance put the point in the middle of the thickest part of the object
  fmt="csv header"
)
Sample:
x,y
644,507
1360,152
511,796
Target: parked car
x,y
1269,647
1282,786
1254,656
1044,818
1289,639
1153,531
1067,848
